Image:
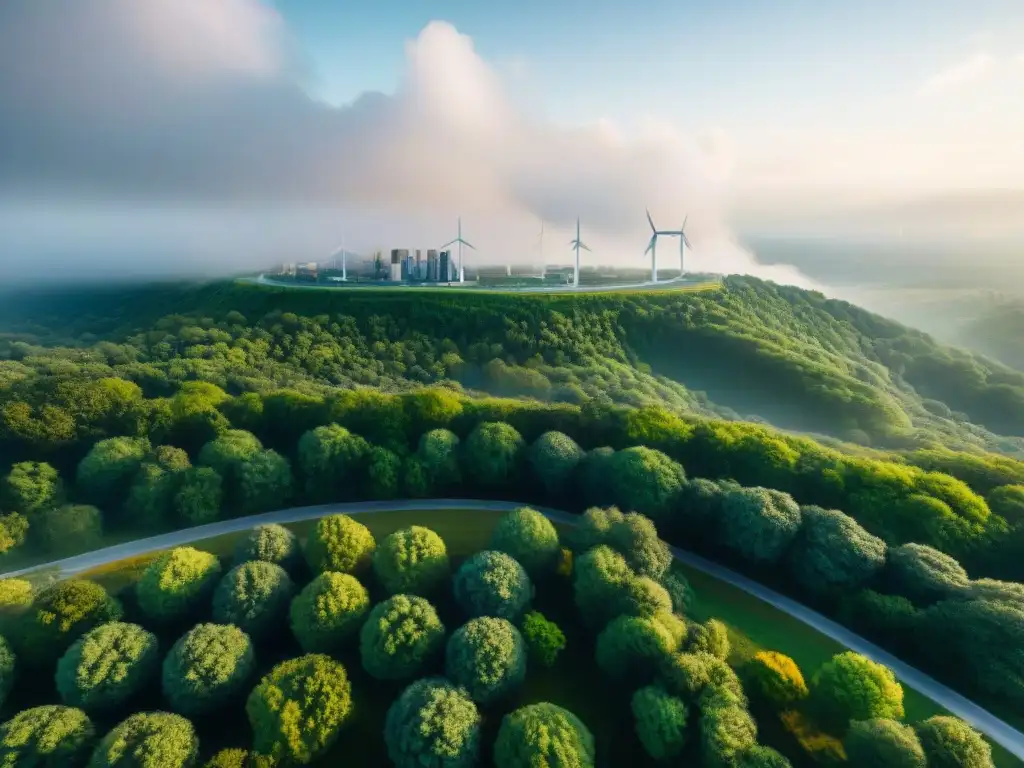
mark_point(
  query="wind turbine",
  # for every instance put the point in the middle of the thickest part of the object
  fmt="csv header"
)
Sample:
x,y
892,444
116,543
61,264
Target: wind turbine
x,y
461,242
653,244
577,244
684,243
540,252
344,264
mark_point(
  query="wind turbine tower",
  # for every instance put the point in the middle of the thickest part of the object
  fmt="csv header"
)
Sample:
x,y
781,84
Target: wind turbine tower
x,y
540,252
684,243
653,244
461,242
577,244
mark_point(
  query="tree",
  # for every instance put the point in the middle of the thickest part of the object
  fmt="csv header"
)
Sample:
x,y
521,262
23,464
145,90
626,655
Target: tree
x,y
232,758
631,535
924,575
686,674
710,637
883,742
61,614
15,601
332,461
544,639
530,538
106,472
31,487
199,496
438,452
832,552
148,740
433,724
1007,501
852,687
50,736
68,529
339,543
493,584
207,668
698,508
759,523
726,731
594,477
553,458
107,666
543,734
492,455
487,657
177,583
150,499
383,471
646,481
13,531
632,648
427,409
270,543
400,637
328,612
298,709
949,742
411,560
264,483
229,451
660,721
776,679
759,756
254,596
597,579
8,670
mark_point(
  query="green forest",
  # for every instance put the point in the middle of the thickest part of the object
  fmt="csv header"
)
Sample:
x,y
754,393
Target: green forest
x,y
837,456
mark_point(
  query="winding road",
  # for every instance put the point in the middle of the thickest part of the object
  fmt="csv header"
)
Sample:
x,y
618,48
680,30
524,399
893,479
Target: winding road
x,y
1000,732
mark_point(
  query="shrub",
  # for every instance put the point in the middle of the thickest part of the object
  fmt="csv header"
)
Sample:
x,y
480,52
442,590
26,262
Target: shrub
x,y
530,538
207,667
339,543
487,657
412,560
710,637
264,482
31,487
15,595
553,457
50,736
660,722
759,523
698,508
105,473
432,724
229,451
177,584
254,596
13,531
726,731
399,637
492,454
199,496
596,583
543,734
852,687
332,460
832,552
684,674
645,480
883,742
493,584
298,709
544,639
594,477
8,670
107,666
759,756
1007,501
328,611
383,471
777,679
148,740
231,758
632,648
438,453
632,535
61,614
949,742
271,543
924,575
68,529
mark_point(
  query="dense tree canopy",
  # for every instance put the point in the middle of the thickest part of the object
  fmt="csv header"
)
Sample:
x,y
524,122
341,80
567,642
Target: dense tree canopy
x,y
949,742
254,596
328,611
32,486
487,657
759,523
924,574
339,543
492,455
298,709
543,734
207,667
660,721
631,535
332,460
49,736
438,453
148,740
633,648
68,528
433,723
412,560
776,678
269,543
852,687
493,584
832,552
553,458
62,613
883,742
106,472
8,669
400,637
107,666
544,638
177,584
199,496
530,538
645,480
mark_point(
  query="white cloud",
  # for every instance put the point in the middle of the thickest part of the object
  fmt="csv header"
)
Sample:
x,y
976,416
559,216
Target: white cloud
x,y
970,70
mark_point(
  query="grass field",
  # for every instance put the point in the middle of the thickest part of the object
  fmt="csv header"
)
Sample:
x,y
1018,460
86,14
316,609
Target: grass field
x,y
753,626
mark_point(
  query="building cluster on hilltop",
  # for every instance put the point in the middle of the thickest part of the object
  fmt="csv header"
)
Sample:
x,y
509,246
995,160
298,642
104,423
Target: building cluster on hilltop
x,y
437,267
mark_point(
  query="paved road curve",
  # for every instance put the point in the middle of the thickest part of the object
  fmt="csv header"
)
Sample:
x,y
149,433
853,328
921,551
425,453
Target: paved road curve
x,y
1001,733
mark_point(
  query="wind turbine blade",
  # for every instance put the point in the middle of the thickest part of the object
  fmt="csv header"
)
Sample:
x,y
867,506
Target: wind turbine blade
x,y
686,219
651,221
652,244
687,241
468,245
450,242
585,247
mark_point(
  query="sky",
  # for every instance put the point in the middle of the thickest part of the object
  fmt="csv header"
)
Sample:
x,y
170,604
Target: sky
x,y
183,136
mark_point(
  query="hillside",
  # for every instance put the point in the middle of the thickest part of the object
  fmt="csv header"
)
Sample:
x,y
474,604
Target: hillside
x,y
751,351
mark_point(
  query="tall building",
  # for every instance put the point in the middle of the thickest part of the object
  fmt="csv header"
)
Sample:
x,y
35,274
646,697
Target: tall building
x,y
432,268
444,271
398,258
